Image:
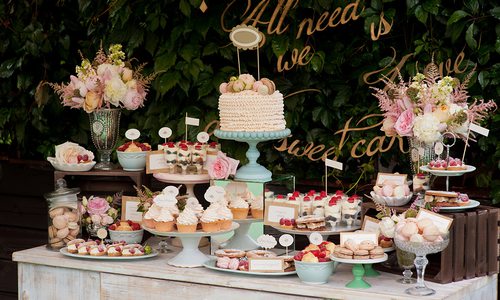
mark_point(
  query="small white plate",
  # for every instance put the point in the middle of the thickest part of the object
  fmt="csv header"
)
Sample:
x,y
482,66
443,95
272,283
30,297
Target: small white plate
x,y
210,264
448,172
471,204
64,251
359,261
83,167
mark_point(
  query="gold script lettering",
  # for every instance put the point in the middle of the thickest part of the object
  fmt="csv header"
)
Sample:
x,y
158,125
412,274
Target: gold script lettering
x,y
383,28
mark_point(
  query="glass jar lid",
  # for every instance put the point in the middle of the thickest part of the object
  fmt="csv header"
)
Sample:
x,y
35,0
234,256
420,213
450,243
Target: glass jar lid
x,y
61,190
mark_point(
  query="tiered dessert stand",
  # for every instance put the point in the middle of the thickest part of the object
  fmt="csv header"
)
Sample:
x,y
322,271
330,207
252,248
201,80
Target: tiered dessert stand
x,y
241,239
189,180
190,256
252,171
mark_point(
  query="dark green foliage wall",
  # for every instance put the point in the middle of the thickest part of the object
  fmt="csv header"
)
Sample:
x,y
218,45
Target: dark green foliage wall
x,y
40,40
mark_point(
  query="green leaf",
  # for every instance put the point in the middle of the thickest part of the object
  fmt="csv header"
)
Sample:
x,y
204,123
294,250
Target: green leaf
x,y
483,78
421,14
185,8
495,12
469,37
7,68
167,81
209,49
432,6
457,16
165,61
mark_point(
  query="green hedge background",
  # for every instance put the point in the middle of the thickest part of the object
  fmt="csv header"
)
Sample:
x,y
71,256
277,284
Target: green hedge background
x,y
40,40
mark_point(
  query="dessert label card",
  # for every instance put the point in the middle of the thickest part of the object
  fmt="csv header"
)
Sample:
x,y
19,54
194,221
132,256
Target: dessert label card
x,y
155,162
370,224
129,209
398,179
266,265
275,211
442,222
358,237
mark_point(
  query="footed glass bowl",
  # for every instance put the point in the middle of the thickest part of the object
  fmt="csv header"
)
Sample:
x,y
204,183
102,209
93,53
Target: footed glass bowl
x,y
421,250
391,201
131,237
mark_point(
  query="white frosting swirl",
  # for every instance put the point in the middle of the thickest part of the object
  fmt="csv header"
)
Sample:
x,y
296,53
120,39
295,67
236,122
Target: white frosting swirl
x,y
196,207
257,203
153,212
187,217
224,213
165,215
238,202
209,215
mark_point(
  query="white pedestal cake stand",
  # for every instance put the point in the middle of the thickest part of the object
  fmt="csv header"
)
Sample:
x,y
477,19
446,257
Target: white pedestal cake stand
x,y
189,180
252,171
190,256
241,239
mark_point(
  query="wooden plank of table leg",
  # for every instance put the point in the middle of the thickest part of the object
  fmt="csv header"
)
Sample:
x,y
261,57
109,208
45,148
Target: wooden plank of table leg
x,y
445,274
470,244
492,242
482,228
458,247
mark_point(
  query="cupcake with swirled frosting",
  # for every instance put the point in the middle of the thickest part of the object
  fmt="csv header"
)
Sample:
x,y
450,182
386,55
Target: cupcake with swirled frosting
x,y
195,206
148,218
187,221
239,207
257,207
164,221
225,217
210,220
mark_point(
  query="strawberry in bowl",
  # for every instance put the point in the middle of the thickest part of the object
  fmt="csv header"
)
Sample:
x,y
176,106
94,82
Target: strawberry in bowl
x,y
128,231
132,155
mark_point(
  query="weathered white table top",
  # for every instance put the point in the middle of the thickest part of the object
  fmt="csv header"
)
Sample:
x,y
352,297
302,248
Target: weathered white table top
x,y
383,286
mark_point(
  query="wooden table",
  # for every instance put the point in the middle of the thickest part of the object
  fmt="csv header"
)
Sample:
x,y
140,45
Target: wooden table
x,y
45,274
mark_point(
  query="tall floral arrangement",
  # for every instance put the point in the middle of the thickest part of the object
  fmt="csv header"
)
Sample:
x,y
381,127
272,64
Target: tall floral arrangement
x,y
429,105
105,82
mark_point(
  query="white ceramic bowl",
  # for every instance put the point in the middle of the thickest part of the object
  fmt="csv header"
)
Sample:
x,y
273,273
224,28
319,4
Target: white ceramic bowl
x,y
83,167
132,161
391,201
315,273
131,237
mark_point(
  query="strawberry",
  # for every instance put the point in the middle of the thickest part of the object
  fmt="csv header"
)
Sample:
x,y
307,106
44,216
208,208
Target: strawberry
x,y
132,251
339,193
306,198
293,222
299,256
432,164
79,158
452,163
288,222
85,157
321,254
112,227
136,226
323,259
315,252
282,221
296,193
130,222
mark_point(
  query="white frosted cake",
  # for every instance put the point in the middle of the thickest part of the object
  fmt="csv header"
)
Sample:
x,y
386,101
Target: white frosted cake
x,y
249,105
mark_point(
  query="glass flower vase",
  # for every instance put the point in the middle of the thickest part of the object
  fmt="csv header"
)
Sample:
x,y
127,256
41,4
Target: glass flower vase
x,y
104,125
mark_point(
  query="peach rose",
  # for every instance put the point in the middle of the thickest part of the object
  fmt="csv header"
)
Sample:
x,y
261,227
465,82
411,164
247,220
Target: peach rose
x,y
91,101
404,124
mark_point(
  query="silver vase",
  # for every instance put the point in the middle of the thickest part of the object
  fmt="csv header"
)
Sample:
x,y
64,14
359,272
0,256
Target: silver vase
x,y
104,125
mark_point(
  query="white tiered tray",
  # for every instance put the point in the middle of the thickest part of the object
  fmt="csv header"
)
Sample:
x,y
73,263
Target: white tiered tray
x,y
190,256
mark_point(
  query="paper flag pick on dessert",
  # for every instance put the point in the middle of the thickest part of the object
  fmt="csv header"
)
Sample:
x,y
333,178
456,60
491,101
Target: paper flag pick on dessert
x,y
165,132
102,233
203,137
215,193
171,191
286,240
438,148
332,164
315,238
132,134
266,241
192,121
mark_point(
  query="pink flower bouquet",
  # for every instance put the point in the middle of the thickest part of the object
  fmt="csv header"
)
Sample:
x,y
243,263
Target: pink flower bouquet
x,y
108,81
222,166
98,211
428,106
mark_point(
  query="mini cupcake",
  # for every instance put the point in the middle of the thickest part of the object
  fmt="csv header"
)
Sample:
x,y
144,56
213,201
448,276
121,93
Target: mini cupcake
x,y
210,221
164,222
239,207
257,208
225,217
187,221
152,213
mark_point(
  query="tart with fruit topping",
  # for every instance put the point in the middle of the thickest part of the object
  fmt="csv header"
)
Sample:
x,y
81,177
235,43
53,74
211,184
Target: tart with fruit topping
x,y
451,164
287,223
133,146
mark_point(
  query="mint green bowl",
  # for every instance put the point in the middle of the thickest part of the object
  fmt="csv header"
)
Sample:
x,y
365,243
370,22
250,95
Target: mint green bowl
x,y
315,273
132,161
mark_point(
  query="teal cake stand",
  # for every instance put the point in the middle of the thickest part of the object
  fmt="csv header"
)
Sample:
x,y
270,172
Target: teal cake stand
x,y
252,171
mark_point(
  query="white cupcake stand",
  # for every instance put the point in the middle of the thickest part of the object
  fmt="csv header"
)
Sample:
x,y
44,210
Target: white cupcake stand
x,y
190,256
241,239
189,180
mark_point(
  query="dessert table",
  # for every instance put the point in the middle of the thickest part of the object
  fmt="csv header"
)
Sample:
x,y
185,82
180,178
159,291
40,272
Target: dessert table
x,y
45,274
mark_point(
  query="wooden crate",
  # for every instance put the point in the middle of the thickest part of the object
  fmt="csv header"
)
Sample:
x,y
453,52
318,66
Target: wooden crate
x,y
473,250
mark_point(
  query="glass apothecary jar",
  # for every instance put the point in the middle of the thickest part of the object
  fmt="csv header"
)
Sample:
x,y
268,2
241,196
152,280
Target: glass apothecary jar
x,y
64,215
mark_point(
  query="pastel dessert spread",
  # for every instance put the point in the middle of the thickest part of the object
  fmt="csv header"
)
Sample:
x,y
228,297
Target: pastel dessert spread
x,y
246,104
235,259
96,248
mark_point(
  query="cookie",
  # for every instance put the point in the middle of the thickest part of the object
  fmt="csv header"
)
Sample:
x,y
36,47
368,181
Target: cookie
x,y
361,256
361,252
